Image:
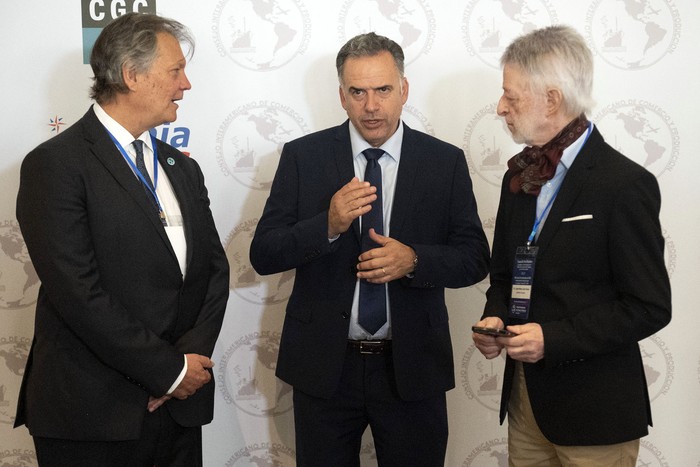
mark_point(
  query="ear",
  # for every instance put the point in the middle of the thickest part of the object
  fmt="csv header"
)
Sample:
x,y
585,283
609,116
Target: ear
x,y
555,100
404,90
130,76
343,102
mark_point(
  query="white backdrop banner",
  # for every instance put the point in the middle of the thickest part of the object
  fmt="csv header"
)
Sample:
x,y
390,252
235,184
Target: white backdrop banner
x,y
263,73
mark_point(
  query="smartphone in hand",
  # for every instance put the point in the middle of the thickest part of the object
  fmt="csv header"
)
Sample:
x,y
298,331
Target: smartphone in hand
x,y
493,331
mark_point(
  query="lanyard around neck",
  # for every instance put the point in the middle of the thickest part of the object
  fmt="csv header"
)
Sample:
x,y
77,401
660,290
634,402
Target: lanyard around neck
x,y
138,173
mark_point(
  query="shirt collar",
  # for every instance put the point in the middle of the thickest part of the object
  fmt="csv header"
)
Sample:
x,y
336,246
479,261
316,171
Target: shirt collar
x,y
120,133
392,146
574,148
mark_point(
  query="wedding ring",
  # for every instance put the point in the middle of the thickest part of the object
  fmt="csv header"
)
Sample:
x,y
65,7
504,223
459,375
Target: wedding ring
x,y
384,271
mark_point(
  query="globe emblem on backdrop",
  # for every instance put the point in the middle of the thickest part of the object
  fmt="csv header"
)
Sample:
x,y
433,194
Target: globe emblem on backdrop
x,y
19,283
262,455
488,145
482,379
247,376
416,120
368,454
488,26
18,458
641,131
244,281
14,352
669,253
633,35
650,455
250,140
658,366
493,452
410,23
261,35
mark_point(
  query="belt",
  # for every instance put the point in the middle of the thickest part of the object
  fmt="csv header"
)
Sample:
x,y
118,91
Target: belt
x,y
377,347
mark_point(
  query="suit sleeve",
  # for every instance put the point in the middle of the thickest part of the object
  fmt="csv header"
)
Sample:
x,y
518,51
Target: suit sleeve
x,y
53,212
461,257
641,303
286,238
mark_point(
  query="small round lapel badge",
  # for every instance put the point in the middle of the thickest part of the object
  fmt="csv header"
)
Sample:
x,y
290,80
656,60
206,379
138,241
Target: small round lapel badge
x,y
171,161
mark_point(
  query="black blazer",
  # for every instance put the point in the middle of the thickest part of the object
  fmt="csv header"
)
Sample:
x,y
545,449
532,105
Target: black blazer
x,y
114,316
434,212
600,286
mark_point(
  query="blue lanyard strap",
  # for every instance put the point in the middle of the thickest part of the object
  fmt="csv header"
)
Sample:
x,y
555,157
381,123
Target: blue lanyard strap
x,y
551,200
138,172
544,213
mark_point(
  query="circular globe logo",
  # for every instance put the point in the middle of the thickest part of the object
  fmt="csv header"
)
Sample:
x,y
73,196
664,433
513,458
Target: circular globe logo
x,y
18,458
261,35
482,379
19,283
14,351
244,281
488,145
493,452
411,23
641,131
250,141
488,26
263,455
658,365
247,376
633,35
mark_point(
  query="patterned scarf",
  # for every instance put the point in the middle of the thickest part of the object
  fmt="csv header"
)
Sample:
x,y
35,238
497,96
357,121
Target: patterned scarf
x,y
537,164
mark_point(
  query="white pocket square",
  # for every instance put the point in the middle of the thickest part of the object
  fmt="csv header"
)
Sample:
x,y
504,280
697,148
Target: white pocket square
x,y
582,217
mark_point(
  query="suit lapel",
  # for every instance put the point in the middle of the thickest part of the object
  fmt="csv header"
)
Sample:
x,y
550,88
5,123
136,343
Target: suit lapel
x,y
111,158
405,181
574,181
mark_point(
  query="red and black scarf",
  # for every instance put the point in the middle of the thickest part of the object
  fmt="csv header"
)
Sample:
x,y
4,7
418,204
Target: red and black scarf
x,y
535,165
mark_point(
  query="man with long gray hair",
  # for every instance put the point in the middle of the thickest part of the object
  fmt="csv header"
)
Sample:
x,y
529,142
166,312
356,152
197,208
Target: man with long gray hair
x,y
134,276
377,219
577,272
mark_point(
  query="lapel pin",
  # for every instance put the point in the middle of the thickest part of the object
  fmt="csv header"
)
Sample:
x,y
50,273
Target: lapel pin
x,y
171,161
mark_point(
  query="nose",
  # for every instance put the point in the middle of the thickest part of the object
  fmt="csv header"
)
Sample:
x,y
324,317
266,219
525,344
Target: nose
x,y
372,102
185,83
501,108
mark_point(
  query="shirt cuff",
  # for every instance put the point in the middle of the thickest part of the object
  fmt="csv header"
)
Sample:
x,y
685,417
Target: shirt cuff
x,y
179,378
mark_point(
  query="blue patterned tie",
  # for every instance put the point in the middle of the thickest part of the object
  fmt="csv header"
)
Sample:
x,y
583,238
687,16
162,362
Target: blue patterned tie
x,y
372,304
138,146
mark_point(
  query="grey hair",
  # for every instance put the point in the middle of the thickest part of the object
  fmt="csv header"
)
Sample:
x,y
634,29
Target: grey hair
x,y
556,56
369,44
129,40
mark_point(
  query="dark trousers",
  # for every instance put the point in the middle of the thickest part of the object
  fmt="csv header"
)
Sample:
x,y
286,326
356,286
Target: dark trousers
x,y
163,443
329,431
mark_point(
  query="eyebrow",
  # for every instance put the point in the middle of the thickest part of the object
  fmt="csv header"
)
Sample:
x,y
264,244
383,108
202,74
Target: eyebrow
x,y
354,88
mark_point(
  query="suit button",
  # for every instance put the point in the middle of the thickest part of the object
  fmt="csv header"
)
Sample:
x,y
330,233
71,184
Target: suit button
x,y
345,315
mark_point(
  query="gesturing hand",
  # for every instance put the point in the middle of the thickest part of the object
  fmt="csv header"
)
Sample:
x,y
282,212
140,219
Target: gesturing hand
x,y
391,260
347,204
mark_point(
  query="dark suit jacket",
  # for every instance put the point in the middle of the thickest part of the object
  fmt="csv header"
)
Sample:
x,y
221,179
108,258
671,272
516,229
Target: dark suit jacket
x,y
600,286
434,212
114,316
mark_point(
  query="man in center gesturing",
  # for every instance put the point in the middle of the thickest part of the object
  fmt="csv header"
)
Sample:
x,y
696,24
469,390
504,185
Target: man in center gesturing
x,y
377,219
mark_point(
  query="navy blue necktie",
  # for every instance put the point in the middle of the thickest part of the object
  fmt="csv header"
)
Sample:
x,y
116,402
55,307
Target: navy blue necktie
x,y
372,303
140,164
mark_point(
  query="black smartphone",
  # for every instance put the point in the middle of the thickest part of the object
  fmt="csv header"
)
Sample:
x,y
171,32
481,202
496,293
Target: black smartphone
x,y
493,331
